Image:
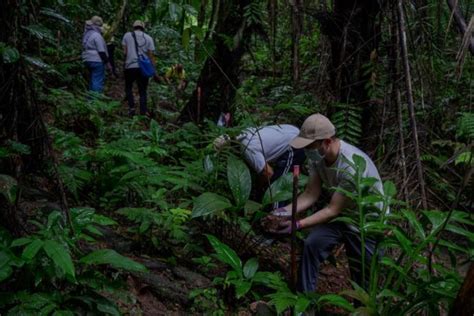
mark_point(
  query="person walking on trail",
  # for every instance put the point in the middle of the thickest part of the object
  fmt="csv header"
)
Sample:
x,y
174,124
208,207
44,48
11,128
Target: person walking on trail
x,y
268,152
134,41
94,53
328,163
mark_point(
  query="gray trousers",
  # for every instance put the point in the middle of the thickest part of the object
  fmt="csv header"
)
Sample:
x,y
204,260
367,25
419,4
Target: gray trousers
x,y
318,245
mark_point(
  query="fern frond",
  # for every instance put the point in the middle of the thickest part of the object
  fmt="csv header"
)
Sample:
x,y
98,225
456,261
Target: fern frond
x,y
347,121
465,128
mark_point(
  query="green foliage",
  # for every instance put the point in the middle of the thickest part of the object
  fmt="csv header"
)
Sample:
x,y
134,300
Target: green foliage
x,y
9,54
239,181
209,203
165,228
204,262
347,121
253,14
406,288
208,301
241,277
47,275
8,188
112,258
282,189
466,126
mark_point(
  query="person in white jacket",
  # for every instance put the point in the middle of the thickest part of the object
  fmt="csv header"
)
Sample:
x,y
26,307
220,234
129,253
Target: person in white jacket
x,y
94,53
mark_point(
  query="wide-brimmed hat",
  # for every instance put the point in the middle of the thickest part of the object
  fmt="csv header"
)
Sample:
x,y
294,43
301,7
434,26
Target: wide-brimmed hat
x,y
95,20
139,23
315,127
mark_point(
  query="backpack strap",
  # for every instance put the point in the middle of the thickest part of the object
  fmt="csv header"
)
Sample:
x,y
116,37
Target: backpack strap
x,y
136,43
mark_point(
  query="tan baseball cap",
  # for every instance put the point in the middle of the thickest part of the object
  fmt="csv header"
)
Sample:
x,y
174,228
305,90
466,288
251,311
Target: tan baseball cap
x,y
315,127
95,20
139,23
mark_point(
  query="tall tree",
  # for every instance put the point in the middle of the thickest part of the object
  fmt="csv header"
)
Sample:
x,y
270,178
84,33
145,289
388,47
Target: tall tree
x,y
216,86
296,30
354,33
20,115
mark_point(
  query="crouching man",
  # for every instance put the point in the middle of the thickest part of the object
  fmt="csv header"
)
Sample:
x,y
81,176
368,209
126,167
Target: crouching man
x,y
329,159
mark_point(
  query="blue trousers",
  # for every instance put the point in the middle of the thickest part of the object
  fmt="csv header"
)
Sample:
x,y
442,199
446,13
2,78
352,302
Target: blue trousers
x,y
96,76
318,245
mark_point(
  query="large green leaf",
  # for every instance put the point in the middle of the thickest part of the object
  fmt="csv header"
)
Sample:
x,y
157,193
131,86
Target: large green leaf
x,y
250,268
55,15
460,231
32,249
436,218
411,217
208,203
336,300
302,304
404,242
5,268
116,260
242,287
280,190
240,182
226,254
283,300
60,256
5,272
40,32
359,162
389,188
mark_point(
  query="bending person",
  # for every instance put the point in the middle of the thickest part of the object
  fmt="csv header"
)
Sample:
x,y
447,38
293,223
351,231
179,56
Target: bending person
x,y
268,152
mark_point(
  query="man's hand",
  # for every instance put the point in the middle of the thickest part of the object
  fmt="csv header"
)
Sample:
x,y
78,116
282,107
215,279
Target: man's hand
x,y
109,67
285,227
267,172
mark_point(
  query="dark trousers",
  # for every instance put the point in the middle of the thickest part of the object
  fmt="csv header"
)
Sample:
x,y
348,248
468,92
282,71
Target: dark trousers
x,y
132,75
318,245
284,164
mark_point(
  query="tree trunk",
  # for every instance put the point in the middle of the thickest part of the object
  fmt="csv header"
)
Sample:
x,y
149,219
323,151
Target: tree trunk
x,y
296,30
354,35
20,115
200,21
411,106
460,22
217,83
464,303
273,18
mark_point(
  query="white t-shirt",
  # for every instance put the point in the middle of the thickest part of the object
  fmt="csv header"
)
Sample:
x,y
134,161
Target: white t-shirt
x,y
94,44
145,44
339,174
266,144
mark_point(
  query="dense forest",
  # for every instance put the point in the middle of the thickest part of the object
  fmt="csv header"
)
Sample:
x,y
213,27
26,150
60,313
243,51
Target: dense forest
x,y
110,208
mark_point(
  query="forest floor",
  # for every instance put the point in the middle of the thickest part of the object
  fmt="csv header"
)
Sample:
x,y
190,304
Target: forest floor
x,y
165,289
